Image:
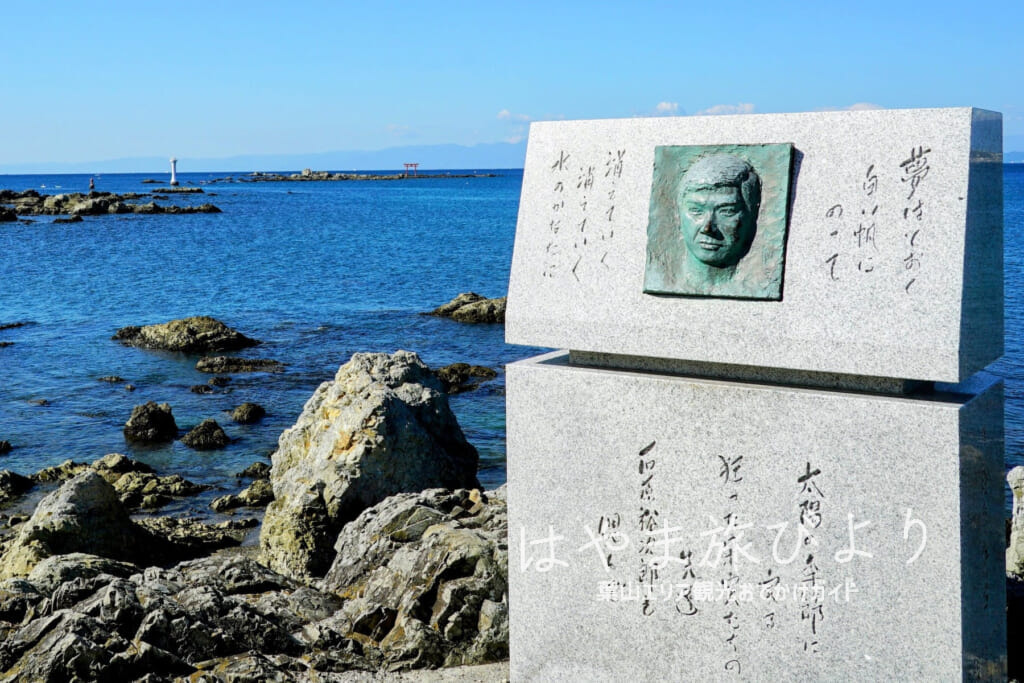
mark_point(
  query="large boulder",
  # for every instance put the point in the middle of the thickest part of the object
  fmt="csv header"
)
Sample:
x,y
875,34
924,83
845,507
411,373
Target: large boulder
x,y
151,423
382,427
426,579
470,307
83,515
198,334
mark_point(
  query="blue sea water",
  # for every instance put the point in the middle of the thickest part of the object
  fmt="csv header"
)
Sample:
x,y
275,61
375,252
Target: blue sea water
x,y
318,271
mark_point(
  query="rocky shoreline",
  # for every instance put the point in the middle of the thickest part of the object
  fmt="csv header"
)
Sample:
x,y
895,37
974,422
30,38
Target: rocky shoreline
x,y
32,203
378,552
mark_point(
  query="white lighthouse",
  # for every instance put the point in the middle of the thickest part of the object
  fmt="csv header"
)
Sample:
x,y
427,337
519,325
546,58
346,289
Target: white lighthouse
x,y
174,176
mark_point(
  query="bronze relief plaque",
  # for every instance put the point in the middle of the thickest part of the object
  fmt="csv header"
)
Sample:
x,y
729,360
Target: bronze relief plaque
x,y
718,221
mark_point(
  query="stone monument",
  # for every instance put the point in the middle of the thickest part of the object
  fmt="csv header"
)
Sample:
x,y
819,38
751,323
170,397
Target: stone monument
x,y
769,450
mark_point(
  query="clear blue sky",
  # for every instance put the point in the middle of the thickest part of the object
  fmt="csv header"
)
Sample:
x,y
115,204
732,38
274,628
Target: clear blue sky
x,y
100,80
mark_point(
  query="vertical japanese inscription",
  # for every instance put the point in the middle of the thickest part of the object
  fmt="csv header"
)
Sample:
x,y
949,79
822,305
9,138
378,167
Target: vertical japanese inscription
x,y
861,234
647,522
914,169
813,591
581,221
729,471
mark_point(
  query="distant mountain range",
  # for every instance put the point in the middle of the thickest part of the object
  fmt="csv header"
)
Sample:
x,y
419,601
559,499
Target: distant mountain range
x,y
429,157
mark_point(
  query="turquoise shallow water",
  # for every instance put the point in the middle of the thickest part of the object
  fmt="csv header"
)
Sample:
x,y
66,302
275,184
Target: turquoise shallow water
x,y
318,270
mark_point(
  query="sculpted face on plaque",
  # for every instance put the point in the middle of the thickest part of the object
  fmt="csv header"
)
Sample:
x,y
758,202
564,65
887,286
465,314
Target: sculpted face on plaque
x,y
718,220
719,198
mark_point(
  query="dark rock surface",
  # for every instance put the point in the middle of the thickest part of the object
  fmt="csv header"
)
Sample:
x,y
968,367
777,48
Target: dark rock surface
x,y
206,436
198,334
470,307
13,485
425,599
5,447
258,494
136,484
257,470
151,423
398,598
455,377
248,413
311,175
7,215
231,364
31,203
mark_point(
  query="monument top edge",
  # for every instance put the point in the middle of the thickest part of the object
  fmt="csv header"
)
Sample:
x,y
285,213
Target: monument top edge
x,y
838,113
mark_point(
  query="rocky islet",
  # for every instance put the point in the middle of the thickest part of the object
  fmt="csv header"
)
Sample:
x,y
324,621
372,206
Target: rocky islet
x,y
32,203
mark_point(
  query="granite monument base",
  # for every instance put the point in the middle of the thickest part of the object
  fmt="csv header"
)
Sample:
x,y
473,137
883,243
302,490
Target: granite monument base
x,y
677,528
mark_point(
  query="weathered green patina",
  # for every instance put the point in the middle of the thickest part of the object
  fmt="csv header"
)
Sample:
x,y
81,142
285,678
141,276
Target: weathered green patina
x,y
718,221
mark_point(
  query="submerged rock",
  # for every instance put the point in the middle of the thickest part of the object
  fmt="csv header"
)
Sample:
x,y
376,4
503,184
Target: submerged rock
x,y
248,413
151,423
229,364
470,307
198,334
382,426
5,447
455,377
206,436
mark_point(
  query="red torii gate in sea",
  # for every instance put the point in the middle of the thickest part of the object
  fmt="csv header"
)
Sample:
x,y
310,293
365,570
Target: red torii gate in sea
x,y
413,167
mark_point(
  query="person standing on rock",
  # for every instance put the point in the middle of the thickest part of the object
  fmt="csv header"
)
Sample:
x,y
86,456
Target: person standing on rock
x,y
92,185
